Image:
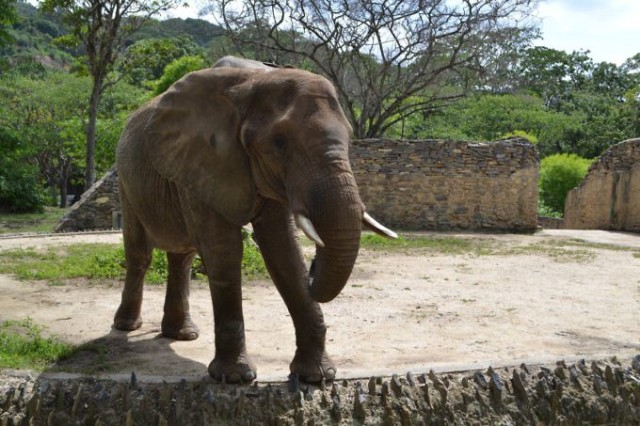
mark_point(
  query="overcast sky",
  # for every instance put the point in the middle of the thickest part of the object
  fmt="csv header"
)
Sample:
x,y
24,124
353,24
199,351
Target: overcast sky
x,y
610,29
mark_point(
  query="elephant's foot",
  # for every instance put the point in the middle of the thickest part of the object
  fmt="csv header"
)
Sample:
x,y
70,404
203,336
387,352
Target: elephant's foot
x,y
127,321
240,370
180,330
313,367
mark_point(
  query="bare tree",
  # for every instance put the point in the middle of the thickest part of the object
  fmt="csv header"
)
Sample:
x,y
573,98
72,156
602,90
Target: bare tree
x,y
388,58
101,28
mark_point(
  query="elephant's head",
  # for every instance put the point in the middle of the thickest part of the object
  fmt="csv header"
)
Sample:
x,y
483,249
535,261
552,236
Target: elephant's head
x,y
234,136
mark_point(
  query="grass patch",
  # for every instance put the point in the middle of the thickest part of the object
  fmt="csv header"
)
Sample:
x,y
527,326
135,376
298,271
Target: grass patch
x,y
101,262
557,250
23,346
92,261
434,244
31,222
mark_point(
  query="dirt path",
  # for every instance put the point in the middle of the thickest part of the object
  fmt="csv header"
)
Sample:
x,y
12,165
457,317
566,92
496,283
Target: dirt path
x,y
401,311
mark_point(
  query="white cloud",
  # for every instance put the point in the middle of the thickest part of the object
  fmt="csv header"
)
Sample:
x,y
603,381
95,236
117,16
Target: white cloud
x,y
610,30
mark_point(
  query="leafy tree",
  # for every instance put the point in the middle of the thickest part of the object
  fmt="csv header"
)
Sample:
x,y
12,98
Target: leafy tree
x,y
146,59
176,70
37,109
388,59
490,117
560,173
554,74
48,122
102,27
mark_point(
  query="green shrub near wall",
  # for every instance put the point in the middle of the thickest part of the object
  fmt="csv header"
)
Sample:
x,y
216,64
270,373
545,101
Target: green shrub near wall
x,y
559,174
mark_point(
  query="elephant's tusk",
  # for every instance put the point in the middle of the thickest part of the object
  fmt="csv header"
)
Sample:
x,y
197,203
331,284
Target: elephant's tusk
x,y
307,227
376,227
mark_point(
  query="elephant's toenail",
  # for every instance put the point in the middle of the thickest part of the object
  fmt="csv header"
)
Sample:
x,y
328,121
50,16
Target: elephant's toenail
x,y
249,376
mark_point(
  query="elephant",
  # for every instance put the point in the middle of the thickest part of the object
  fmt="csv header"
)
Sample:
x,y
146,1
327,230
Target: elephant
x,y
239,143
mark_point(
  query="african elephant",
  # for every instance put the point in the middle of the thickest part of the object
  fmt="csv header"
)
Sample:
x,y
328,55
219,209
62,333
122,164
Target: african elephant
x,y
223,147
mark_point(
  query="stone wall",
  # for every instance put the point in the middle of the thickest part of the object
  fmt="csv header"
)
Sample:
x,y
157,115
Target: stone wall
x,y
449,185
411,185
98,208
609,196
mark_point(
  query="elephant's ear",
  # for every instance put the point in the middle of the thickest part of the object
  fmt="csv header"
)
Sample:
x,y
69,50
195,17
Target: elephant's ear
x,y
192,139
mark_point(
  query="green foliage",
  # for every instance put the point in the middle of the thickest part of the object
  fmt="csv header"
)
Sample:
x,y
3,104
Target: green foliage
x,y
8,16
44,114
253,266
22,345
32,37
146,59
559,174
521,134
20,191
175,70
491,117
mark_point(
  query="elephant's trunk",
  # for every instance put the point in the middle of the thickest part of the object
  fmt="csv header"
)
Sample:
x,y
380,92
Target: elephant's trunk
x,y
332,266
336,213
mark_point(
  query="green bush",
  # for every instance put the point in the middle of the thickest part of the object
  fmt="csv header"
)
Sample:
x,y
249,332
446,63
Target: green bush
x,y
176,70
559,174
19,189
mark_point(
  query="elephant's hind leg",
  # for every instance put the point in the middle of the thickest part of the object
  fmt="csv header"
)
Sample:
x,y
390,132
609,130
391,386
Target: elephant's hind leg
x,y
137,253
176,322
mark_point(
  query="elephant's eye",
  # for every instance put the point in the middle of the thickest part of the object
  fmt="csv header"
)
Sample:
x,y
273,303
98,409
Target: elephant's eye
x,y
280,142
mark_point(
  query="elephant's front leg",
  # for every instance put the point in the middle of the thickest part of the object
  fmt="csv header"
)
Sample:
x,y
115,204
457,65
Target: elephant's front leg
x,y
274,233
222,257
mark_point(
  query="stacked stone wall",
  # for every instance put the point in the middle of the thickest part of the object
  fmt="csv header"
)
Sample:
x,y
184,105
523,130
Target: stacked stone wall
x,y
609,196
449,185
411,185
97,209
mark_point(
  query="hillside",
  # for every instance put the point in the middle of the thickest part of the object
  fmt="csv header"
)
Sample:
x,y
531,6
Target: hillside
x,y
34,36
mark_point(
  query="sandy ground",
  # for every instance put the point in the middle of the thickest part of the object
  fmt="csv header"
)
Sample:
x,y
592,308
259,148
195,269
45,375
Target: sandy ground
x,y
401,312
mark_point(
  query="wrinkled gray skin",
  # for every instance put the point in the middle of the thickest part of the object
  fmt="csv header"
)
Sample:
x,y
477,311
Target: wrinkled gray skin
x,y
241,142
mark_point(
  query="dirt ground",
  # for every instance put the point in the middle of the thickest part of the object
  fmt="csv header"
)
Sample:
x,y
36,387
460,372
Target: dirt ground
x,y
400,312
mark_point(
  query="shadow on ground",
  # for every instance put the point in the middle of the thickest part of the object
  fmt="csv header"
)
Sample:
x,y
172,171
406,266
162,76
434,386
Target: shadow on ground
x,y
120,351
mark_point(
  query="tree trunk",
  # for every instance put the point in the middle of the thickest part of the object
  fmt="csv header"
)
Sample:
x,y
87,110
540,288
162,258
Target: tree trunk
x,y
64,179
90,171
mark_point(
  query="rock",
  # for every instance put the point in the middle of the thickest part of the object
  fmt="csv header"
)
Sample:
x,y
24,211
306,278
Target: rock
x,y
372,386
480,380
635,363
519,389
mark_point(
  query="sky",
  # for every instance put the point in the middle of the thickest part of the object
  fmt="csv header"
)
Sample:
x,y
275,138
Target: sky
x,y
609,29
